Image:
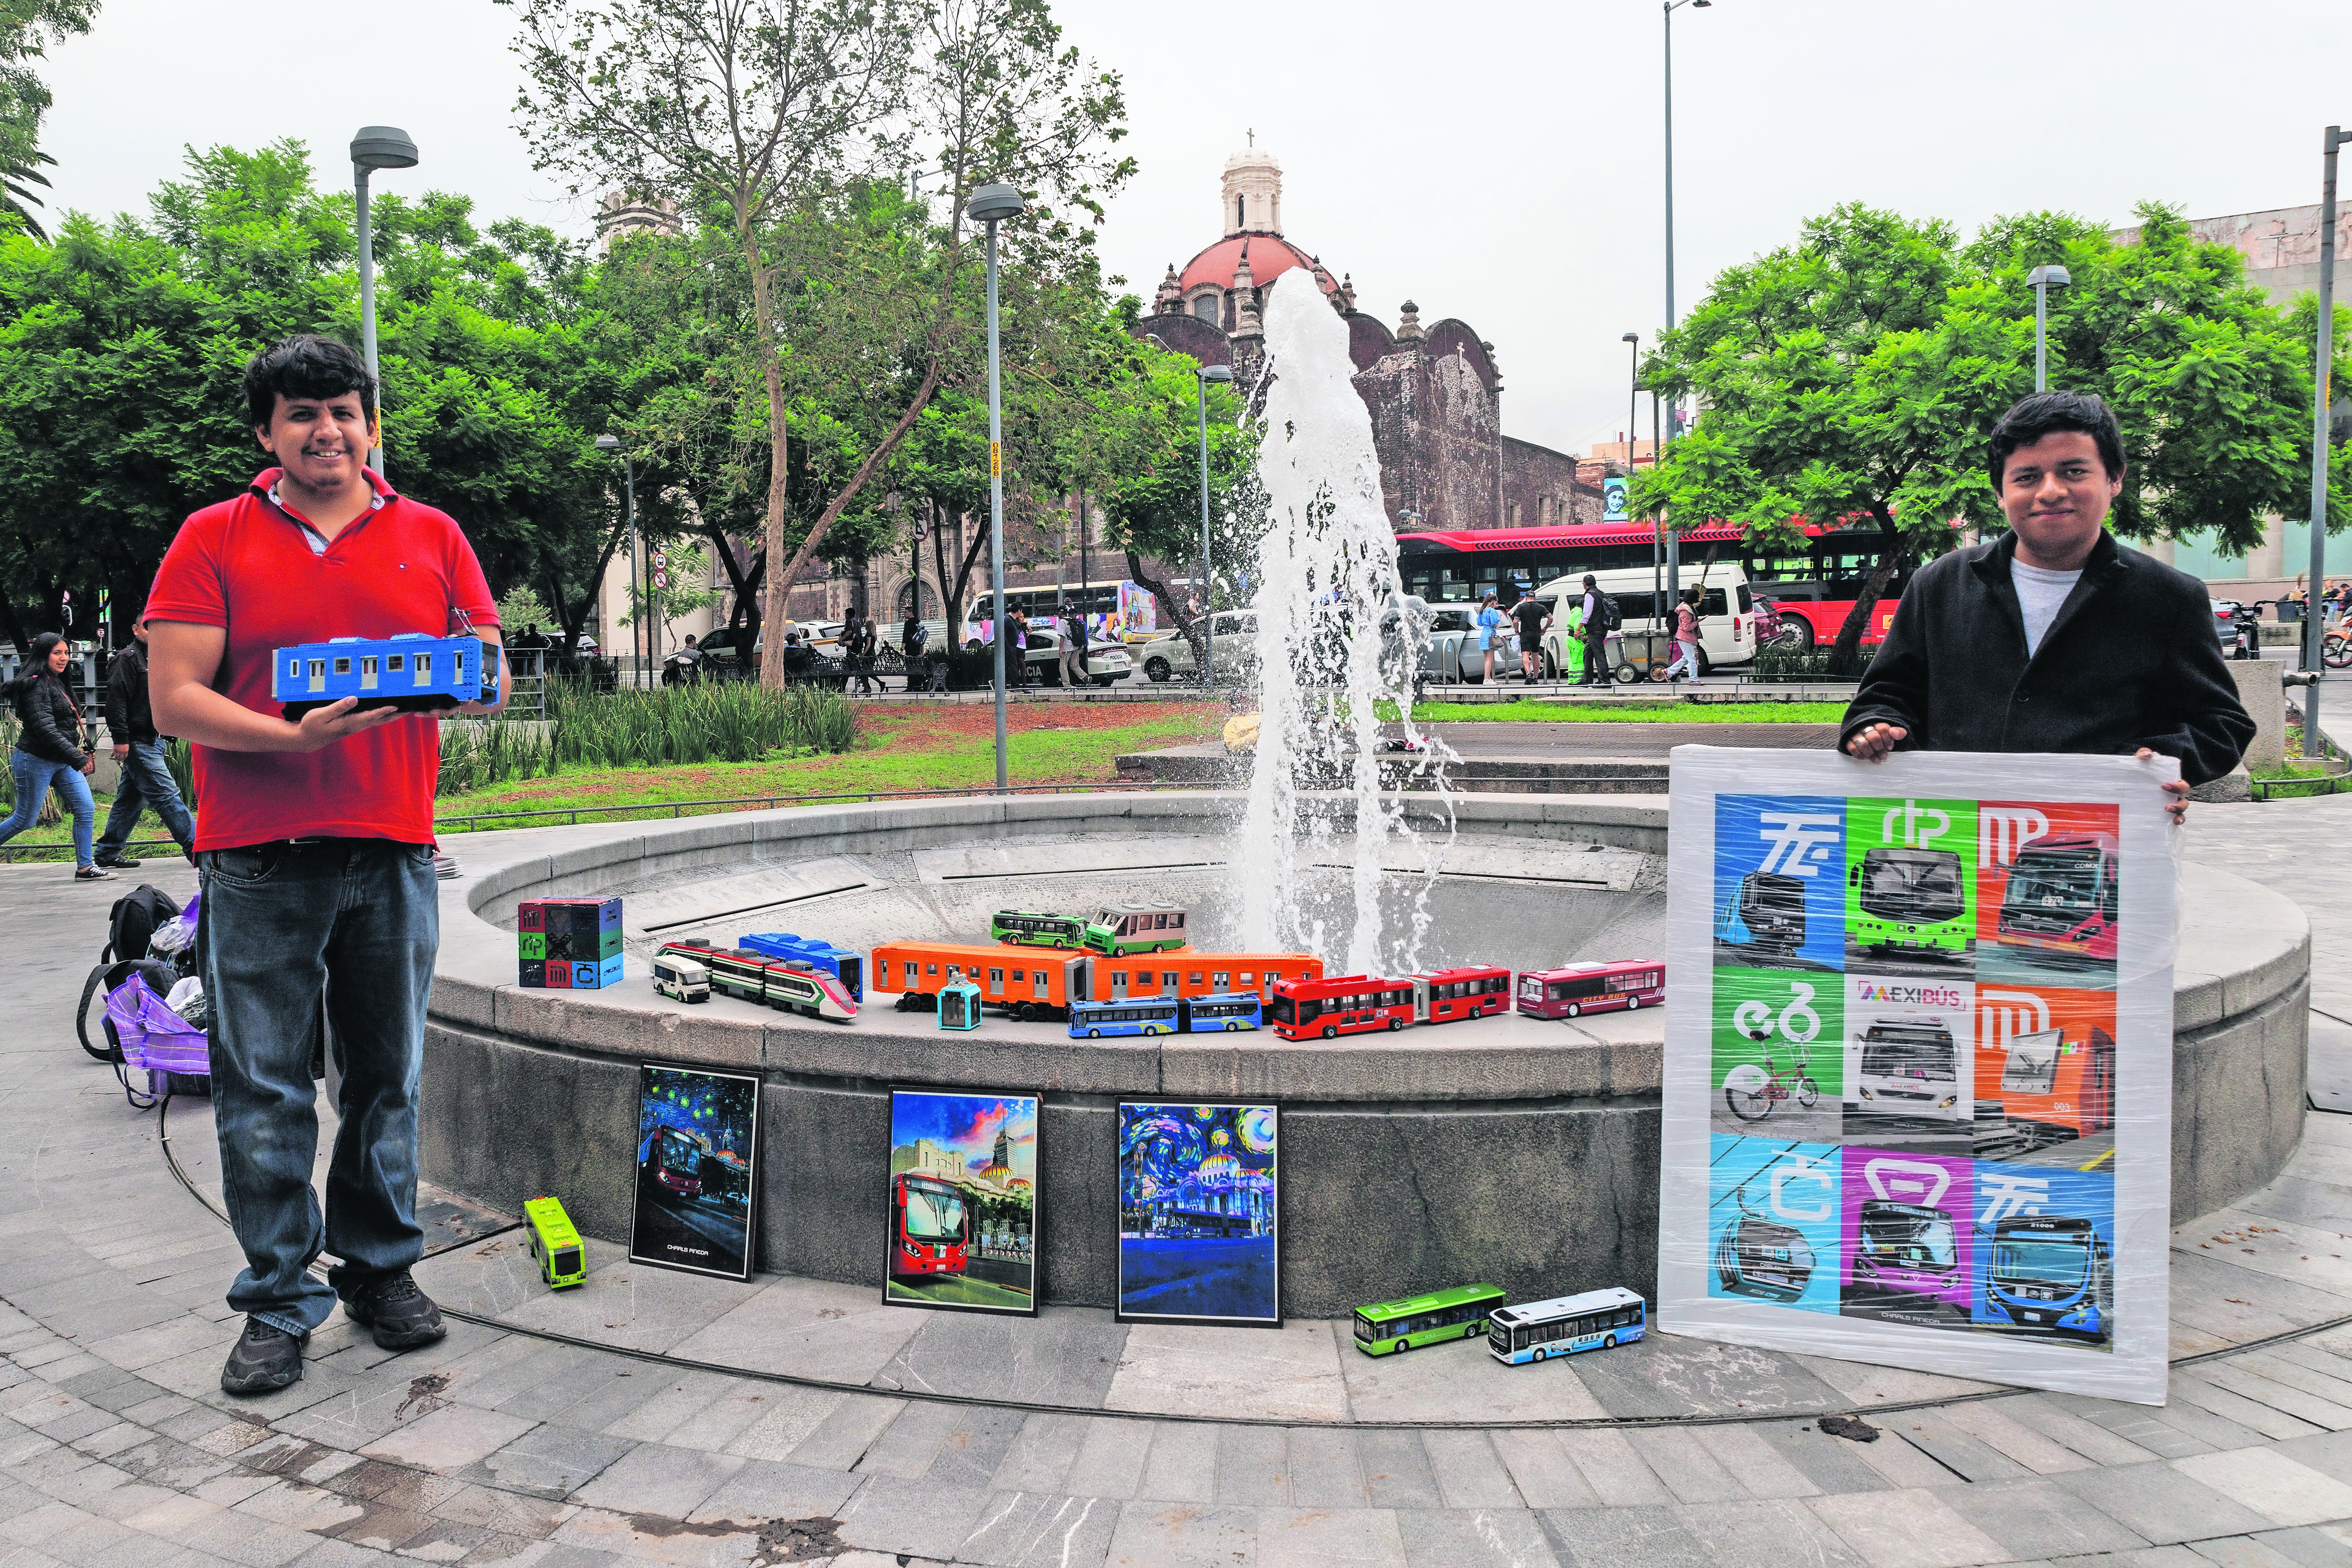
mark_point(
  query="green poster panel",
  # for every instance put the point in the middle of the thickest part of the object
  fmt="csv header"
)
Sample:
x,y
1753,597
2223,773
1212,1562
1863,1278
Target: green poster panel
x,y
1910,881
1780,1053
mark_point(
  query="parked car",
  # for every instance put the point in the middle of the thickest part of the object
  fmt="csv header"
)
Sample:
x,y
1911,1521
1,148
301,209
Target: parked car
x,y
1453,657
1231,651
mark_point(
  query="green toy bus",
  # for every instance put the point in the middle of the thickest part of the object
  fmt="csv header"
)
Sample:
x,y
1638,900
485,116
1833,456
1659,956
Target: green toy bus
x,y
562,1259
1037,931
1124,929
1391,1328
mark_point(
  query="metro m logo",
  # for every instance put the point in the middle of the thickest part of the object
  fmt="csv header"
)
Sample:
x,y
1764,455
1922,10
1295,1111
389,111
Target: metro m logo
x,y
1906,1181
1800,842
2002,1015
2003,830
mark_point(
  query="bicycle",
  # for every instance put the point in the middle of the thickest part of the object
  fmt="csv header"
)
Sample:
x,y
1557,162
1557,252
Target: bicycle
x,y
1750,1091
2335,650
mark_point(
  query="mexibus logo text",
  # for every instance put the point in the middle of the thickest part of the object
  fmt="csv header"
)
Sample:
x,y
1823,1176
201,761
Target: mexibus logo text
x,y
1868,990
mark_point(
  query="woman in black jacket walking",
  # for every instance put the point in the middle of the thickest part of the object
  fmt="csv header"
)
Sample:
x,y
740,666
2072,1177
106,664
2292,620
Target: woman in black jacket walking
x,y
47,754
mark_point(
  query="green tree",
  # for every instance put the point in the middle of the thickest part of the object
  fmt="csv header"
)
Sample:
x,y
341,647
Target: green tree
x,y
27,27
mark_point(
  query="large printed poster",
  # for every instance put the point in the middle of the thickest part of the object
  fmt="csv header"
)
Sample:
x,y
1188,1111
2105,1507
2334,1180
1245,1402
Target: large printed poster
x,y
1919,1062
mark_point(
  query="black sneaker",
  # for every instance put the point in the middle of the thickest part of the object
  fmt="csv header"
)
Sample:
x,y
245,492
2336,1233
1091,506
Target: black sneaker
x,y
403,1316
93,874
118,863
266,1358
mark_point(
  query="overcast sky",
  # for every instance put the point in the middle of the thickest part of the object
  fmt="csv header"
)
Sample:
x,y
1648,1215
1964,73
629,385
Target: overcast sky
x,y
1498,162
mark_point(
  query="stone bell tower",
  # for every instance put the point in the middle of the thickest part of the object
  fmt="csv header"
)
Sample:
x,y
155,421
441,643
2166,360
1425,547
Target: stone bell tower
x,y
1252,189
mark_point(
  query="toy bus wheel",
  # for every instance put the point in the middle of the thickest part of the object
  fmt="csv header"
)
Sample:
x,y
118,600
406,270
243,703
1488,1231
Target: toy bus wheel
x,y
1331,1032
1539,1355
1573,1009
1402,1346
1232,1025
1094,1034
1632,1003
1609,1343
1395,1023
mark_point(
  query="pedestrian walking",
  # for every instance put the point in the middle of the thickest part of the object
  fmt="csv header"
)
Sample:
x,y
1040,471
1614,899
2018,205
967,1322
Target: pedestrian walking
x,y
1596,608
316,842
1534,615
1685,664
1016,647
913,635
47,751
860,646
1490,624
2052,638
144,778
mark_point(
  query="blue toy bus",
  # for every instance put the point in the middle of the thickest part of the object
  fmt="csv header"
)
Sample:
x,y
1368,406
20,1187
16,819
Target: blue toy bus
x,y
1224,1010
413,671
1126,1015
838,961
1597,1320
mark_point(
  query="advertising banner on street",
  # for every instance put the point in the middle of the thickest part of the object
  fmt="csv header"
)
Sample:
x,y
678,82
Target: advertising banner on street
x,y
1918,1074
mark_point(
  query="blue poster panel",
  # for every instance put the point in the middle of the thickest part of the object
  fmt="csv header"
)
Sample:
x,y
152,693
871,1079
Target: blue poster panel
x,y
1774,1223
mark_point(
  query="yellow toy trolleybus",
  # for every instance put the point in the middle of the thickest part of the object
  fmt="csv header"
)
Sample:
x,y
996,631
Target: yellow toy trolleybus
x,y
562,1260
1392,1328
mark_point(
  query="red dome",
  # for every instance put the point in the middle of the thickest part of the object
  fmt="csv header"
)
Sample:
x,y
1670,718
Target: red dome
x,y
1270,255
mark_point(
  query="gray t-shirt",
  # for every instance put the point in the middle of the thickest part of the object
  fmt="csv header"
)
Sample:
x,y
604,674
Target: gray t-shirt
x,y
2040,593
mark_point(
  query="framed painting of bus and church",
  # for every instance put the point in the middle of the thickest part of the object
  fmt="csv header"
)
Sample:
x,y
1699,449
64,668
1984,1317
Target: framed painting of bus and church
x,y
964,1227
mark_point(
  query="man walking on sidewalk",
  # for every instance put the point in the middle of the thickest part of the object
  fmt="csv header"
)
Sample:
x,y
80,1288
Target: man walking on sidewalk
x,y
1596,609
144,778
316,842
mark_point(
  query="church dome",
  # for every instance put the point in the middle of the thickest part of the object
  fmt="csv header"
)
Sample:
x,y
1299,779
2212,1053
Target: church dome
x,y
1270,255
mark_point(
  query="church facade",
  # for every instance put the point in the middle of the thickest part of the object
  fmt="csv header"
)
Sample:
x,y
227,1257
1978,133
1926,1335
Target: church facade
x,y
1434,391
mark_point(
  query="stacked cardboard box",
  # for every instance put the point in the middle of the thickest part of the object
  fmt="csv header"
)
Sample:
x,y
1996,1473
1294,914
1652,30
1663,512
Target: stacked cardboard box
x,y
570,944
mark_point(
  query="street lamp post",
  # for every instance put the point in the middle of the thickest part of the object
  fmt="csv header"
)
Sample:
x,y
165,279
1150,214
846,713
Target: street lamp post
x,y
992,205
2315,743
375,147
2038,281
1674,414
1224,376
611,443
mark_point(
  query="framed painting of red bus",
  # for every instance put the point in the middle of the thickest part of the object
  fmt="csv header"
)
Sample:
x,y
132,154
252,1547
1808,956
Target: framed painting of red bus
x,y
2049,894
963,1216
1622,985
698,1171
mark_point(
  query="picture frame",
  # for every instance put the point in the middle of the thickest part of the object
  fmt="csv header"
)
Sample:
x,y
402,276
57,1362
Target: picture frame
x,y
697,1178
963,1214
1199,1213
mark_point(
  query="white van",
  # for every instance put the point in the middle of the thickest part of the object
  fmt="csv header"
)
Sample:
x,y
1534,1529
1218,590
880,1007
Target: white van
x,y
1726,619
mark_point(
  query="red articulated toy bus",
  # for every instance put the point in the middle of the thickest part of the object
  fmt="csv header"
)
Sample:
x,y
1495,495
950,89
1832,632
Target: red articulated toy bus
x,y
1576,989
1028,983
1339,1004
1466,993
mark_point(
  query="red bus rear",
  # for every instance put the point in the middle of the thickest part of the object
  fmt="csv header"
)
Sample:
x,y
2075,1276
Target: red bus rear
x,y
1473,991
1339,1004
1576,989
930,1231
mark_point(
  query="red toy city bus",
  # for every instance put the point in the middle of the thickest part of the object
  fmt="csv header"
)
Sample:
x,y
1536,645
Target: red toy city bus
x,y
1339,1004
1577,989
1466,992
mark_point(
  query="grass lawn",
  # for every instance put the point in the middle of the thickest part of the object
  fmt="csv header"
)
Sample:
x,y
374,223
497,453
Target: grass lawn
x,y
900,747
1526,712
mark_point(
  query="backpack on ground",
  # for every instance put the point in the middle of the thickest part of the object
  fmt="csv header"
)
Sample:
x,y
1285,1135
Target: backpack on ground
x,y
128,929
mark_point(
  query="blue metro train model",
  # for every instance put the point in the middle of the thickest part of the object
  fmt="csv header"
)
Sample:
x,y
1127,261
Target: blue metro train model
x,y
841,962
412,670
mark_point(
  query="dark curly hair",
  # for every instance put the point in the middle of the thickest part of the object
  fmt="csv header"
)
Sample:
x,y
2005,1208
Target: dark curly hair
x,y
2045,412
304,365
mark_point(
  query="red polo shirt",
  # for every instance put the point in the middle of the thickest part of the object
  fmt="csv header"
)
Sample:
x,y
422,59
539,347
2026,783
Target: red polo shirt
x,y
246,565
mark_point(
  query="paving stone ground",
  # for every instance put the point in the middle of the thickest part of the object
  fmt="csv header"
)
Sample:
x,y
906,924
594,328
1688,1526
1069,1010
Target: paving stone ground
x,y
502,1446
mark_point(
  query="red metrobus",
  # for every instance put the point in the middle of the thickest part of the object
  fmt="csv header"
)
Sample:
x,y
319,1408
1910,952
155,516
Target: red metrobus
x,y
929,1232
1466,992
2062,896
1812,588
1339,1004
1576,989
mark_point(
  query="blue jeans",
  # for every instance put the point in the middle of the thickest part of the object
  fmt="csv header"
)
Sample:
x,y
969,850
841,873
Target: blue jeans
x,y
146,781
34,775
359,917
1685,661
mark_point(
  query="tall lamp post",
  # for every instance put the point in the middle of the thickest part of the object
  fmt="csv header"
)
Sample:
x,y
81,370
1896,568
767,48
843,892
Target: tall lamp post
x,y
1224,376
1674,416
992,205
375,147
2315,743
2038,281
611,443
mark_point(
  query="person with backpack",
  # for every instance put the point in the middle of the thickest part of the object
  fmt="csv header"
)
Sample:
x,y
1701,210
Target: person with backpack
x,y
315,839
1600,618
48,751
913,635
1685,664
146,780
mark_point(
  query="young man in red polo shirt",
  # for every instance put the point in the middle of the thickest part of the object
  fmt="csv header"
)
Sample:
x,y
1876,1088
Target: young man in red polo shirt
x,y
316,844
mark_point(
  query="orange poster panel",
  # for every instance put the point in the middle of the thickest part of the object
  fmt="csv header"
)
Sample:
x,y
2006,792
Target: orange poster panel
x,y
2046,1060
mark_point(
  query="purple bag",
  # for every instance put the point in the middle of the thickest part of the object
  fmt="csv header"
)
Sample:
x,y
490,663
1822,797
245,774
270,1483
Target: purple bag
x,y
175,1054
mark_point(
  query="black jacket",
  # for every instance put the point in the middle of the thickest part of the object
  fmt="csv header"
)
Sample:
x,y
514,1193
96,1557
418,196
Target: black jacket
x,y
2132,659
127,717
52,724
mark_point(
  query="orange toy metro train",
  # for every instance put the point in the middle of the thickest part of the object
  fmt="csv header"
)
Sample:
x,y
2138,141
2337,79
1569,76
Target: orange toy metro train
x,y
1027,983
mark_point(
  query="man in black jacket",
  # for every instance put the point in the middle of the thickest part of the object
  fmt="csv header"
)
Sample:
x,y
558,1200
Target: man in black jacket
x,y
144,778
2052,637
